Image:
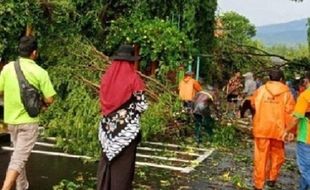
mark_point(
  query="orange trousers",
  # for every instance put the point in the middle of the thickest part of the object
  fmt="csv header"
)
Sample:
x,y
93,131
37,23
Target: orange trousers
x,y
268,159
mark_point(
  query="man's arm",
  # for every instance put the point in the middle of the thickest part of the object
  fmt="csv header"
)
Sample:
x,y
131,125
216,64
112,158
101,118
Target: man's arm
x,y
253,98
298,112
47,90
197,86
291,121
246,88
228,86
2,82
48,101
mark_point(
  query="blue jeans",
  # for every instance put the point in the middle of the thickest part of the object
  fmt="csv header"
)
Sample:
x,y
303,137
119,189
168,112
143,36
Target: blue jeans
x,y
303,161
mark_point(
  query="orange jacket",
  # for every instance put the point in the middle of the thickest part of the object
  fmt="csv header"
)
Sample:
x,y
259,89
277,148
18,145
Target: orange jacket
x,y
274,105
188,87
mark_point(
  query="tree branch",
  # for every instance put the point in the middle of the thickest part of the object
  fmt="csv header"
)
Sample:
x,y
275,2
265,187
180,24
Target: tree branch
x,y
88,82
263,52
161,86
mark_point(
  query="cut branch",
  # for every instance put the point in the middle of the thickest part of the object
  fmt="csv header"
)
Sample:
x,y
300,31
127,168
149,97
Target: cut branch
x,y
103,56
263,52
162,87
263,55
94,85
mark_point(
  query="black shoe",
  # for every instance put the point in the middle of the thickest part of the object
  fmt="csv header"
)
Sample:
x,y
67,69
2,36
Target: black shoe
x,y
271,183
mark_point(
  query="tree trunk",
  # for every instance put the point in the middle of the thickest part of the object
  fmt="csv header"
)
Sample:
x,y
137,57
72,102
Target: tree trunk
x,y
154,66
137,51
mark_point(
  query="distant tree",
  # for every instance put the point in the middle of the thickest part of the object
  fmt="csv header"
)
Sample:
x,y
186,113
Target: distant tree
x,y
290,52
236,50
237,27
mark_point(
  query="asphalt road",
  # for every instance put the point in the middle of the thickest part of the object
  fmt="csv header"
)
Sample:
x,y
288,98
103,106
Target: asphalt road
x,y
44,171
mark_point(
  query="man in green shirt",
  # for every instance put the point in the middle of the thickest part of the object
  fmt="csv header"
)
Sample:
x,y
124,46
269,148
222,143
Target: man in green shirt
x,y
302,114
22,128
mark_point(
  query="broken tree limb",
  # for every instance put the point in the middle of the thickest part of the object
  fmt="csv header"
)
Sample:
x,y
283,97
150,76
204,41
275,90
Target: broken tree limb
x,y
161,86
99,64
152,95
262,52
29,30
88,82
96,87
103,56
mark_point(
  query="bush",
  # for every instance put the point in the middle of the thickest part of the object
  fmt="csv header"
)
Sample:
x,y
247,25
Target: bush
x,y
81,182
225,136
159,115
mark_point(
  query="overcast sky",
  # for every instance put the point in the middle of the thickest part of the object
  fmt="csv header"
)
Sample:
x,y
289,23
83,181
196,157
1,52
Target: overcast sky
x,y
263,12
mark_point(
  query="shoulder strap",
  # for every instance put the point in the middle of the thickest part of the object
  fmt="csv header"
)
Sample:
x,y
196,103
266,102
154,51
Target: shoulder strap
x,y
20,75
207,93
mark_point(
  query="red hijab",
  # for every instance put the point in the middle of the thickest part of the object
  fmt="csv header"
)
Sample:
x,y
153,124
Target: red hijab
x,y
118,84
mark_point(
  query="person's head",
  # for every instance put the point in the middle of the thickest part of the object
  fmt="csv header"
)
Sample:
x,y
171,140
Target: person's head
x,y
289,83
126,53
238,74
276,75
306,80
189,74
210,89
28,47
248,76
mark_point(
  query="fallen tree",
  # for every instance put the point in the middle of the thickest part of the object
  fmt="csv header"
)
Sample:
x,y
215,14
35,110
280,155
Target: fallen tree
x,y
74,117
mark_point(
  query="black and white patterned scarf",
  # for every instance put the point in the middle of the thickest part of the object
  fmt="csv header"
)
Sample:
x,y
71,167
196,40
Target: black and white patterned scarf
x,y
119,129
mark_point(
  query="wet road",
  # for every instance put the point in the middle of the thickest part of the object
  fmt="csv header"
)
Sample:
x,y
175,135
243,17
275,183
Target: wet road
x,y
44,171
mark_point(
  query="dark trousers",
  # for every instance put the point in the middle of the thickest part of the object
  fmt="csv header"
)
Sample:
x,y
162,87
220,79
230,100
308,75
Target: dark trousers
x,y
206,122
246,106
188,106
118,173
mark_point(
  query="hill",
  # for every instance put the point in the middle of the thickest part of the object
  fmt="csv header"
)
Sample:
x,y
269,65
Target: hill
x,y
290,33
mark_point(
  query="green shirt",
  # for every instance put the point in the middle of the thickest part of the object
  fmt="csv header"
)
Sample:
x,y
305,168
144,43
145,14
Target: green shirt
x,y
14,111
303,106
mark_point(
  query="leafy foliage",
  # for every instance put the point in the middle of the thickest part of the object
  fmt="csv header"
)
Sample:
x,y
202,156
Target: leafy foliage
x,y
53,22
289,52
235,48
194,18
225,136
13,21
81,182
297,59
237,27
158,117
70,32
158,40
298,66
200,25
76,99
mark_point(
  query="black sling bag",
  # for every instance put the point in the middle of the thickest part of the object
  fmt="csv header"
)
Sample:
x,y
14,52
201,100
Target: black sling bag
x,y
30,96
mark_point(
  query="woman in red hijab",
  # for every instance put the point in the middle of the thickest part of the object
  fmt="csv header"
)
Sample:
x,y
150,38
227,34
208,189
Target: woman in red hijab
x,y
122,101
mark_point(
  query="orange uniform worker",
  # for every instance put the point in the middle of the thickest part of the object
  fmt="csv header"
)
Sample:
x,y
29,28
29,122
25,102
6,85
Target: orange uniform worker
x,y
188,87
274,104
